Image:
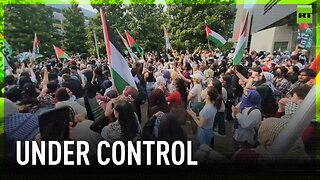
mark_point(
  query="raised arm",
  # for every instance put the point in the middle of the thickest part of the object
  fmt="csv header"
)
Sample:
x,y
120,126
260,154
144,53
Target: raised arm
x,y
45,79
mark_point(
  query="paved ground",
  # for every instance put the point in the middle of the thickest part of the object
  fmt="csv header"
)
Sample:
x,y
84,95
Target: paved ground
x,y
223,145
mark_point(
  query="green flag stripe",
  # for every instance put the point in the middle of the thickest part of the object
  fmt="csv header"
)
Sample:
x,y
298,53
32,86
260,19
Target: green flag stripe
x,y
239,55
216,41
118,81
137,48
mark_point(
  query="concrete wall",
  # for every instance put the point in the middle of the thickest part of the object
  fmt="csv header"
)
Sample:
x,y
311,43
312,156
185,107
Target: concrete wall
x,y
263,40
284,34
237,21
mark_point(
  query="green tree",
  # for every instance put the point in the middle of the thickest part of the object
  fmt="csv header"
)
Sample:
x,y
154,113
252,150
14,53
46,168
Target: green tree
x,y
74,33
146,26
116,18
95,25
22,21
187,23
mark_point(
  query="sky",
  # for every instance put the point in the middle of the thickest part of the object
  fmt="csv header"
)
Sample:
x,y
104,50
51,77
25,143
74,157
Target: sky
x,y
87,7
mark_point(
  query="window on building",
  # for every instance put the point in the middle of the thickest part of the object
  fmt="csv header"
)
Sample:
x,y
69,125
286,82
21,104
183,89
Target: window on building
x,y
282,46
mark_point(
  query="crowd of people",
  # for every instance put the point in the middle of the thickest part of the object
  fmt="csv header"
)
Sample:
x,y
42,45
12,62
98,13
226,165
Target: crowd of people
x,y
201,91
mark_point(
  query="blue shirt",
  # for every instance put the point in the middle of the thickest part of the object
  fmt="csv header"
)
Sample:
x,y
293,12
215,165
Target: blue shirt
x,y
208,112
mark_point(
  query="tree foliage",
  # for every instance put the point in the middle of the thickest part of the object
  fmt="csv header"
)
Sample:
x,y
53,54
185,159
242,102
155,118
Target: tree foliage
x,y
21,22
147,25
187,23
144,20
74,33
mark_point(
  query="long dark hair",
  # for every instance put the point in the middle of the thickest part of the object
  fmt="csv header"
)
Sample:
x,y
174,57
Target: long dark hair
x,y
217,84
181,87
127,121
157,102
157,98
62,94
227,79
213,93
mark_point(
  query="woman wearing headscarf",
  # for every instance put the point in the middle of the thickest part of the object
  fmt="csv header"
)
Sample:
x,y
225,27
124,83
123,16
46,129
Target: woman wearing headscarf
x,y
271,128
248,119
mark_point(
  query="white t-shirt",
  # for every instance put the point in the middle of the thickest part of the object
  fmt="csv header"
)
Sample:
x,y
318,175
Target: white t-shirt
x,y
195,92
224,99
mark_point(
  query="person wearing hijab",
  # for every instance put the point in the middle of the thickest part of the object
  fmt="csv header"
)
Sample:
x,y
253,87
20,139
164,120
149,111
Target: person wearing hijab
x,y
248,119
268,81
266,89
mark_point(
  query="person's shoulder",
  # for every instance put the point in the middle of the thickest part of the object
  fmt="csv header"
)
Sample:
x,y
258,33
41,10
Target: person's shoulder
x,y
224,90
262,88
209,108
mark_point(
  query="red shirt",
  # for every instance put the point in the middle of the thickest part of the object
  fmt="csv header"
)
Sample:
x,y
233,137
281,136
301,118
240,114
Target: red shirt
x,y
174,98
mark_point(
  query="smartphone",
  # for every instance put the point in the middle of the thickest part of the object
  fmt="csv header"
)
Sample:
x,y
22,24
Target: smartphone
x,y
54,124
48,67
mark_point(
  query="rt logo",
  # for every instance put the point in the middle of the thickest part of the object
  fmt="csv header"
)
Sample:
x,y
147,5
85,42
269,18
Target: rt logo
x,y
304,14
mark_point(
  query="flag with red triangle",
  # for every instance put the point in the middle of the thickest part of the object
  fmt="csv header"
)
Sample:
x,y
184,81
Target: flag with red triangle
x,y
35,49
214,36
242,41
120,71
134,46
60,53
132,55
305,36
315,64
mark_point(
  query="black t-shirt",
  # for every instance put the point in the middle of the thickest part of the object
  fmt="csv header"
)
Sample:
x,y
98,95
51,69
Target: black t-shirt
x,y
13,94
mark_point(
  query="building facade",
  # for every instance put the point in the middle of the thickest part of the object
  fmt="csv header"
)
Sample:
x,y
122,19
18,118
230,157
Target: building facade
x,y
272,27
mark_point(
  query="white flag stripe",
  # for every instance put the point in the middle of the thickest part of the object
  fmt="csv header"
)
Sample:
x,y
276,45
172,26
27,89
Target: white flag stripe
x,y
120,65
218,37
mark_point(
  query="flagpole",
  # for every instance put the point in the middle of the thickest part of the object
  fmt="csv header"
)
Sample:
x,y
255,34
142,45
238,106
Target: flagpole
x,y
209,44
106,40
208,38
96,44
132,55
56,52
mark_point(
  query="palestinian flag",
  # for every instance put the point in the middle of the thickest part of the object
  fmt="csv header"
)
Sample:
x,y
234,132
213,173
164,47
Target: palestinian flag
x,y
8,60
166,38
120,71
214,37
305,36
132,55
35,49
315,64
134,46
241,45
60,53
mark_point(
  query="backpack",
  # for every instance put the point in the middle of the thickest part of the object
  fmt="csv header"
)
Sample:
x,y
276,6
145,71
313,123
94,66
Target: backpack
x,y
269,104
151,129
142,97
230,97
